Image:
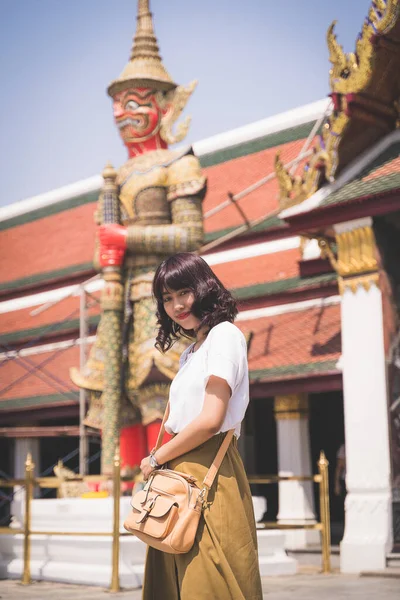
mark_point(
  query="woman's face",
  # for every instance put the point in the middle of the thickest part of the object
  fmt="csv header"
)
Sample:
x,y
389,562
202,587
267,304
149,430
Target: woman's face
x,y
178,305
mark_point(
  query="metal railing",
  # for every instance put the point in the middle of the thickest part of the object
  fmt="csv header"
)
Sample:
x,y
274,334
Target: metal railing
x,y
324,525
30,482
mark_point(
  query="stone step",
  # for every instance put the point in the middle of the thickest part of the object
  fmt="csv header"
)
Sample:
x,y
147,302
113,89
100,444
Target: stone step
x,y
393,560
393,572
87,560
273,558
316,549
278,564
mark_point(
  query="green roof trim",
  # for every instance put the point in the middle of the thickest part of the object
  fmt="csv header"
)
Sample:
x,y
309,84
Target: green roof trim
x,y
385,157
255,375
293,370
207,160
53,328
245,293
48,211
270,140
36,401
359,188
282,285
46,276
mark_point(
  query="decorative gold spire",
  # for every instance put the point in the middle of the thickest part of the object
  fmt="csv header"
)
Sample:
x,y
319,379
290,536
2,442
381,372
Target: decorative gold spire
x,y
145,68
364,95
352,72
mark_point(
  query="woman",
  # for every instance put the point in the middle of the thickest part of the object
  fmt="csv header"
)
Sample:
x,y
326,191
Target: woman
x,y
208,397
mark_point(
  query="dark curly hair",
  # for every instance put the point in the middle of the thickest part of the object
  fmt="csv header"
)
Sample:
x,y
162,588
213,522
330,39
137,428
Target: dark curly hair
x,y
213,303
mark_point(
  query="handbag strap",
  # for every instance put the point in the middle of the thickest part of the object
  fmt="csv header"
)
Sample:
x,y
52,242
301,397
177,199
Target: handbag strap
x,y
213,470
219,457
160,436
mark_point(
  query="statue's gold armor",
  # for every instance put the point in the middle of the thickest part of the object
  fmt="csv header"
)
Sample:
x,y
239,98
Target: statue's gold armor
x,y
160,194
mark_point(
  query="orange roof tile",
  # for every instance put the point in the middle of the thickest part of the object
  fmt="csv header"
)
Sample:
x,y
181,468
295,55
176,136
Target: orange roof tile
x,y
294,338
48,244
236,175
387,168
67,309
19,378
67,238
259,269
234,274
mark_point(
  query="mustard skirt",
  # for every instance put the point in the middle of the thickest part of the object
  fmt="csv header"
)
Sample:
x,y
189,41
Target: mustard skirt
x,y
223,563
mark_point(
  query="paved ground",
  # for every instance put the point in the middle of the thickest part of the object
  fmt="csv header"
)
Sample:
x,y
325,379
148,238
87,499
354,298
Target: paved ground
x,y
298,587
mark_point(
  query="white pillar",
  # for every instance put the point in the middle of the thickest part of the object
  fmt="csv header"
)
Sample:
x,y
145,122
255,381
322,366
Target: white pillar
x,y
368,523
21,448
296,499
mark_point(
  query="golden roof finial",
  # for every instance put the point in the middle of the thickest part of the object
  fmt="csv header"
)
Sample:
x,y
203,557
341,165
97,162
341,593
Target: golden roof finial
x,y
109,172
145,68
145,41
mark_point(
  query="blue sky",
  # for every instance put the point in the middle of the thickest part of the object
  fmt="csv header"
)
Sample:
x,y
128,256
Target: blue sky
x,y
253,59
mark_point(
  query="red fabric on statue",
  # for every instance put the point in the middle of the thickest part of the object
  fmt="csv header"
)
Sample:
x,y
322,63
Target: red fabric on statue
x,y
152,430
136,442
133,446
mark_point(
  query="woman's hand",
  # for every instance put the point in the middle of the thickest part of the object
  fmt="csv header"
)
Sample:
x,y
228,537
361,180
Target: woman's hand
x,y
146,468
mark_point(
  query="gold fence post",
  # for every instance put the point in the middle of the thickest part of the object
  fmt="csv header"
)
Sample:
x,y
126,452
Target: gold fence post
x,y
325,513
115,587
29,466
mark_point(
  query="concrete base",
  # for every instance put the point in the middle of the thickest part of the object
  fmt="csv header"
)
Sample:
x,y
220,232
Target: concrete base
x,y
87,559
74,559
301,539
273,559
367,538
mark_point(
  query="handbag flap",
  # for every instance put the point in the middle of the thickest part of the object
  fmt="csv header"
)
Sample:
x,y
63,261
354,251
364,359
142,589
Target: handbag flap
x,y
158,505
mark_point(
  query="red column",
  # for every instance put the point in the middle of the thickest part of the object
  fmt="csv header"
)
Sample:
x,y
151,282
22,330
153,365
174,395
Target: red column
x,y
133,445
152,430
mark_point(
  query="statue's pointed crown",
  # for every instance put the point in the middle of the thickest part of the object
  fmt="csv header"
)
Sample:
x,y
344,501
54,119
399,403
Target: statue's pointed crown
x,y
145,67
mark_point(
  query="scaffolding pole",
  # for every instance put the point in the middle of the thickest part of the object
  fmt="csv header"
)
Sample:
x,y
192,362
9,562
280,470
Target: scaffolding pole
x,y
83,332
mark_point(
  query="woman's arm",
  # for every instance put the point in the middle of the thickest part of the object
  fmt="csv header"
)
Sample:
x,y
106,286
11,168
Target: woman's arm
x,y
201,429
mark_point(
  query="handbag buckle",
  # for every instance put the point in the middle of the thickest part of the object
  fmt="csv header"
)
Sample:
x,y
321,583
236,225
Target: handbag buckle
x,y
147,510
202,497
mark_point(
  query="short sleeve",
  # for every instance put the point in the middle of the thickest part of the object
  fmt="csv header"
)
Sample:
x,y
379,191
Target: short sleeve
x,y
226,355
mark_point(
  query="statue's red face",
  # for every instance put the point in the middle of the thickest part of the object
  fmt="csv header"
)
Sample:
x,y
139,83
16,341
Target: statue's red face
x,y
137,115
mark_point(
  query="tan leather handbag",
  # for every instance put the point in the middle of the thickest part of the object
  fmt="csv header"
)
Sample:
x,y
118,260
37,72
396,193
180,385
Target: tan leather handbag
x,y
166,513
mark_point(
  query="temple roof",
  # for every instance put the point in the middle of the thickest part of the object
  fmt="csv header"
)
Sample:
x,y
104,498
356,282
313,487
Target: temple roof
x,y
22,386
44,251
273,355
365,88
290,344
371,176
266,279
39,237
382,175
289,306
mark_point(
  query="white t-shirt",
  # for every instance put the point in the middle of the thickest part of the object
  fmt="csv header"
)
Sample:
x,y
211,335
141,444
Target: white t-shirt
x,y
224,354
